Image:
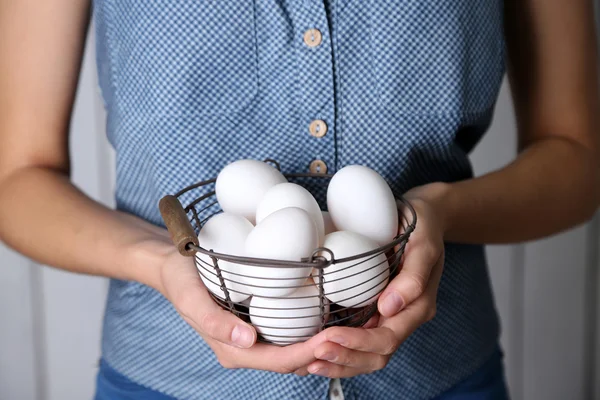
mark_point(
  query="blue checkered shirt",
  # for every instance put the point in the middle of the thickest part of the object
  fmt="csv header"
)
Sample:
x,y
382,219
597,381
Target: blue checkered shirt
x,y
406,87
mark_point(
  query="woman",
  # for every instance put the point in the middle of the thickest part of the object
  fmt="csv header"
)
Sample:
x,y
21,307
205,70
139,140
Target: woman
x,y
406,88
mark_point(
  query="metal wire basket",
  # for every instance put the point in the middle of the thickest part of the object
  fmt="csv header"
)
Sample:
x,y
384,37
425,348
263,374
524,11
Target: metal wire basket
x,y
278,322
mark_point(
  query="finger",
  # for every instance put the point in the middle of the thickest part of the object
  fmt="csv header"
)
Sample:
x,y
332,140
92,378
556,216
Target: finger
x,y
420,256
384,340
221,326
372,322
194,303
436,276
380,340
330,370
301,371
420,311
281,359
340,355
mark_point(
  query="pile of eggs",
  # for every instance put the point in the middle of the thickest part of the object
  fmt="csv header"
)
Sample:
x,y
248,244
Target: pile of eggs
x,y
265,216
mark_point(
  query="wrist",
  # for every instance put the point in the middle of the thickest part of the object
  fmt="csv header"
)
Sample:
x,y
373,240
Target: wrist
x,y
143,261
439,197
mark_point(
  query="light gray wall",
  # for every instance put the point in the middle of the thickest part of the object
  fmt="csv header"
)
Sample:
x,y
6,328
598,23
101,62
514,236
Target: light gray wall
x,y
546,291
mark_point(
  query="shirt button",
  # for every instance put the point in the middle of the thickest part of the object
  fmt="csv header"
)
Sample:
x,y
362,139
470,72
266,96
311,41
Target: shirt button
x,y
318,167
318,128
313,37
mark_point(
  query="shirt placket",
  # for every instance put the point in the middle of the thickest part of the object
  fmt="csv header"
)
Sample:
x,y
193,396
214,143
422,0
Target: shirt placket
x,y
316,84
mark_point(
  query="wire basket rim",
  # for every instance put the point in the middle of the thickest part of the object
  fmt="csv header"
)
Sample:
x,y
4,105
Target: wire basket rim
x,y
315,260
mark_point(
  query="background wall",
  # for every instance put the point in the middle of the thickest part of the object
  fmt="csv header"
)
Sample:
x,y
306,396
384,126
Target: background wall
x,y
546,291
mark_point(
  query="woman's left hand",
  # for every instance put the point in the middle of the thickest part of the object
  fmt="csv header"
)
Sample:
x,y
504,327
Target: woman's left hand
x,y
408,302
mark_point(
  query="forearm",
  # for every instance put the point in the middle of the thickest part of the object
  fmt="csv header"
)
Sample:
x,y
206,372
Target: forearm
x,y
553,185
43,216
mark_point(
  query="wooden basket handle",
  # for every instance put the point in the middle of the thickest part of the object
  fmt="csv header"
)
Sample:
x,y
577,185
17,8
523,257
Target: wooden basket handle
x,y
178,224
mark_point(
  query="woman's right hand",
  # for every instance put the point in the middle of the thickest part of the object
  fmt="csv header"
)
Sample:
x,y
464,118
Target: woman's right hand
x,y
232,340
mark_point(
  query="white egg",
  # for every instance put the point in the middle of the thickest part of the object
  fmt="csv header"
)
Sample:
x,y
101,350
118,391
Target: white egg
x,y
291,195
224,233
288,234
360,200
354,283
328,222
294,318
241,185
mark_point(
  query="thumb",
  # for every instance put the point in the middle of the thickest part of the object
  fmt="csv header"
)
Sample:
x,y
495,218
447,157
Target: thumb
x,y
411,281
192,300
213,322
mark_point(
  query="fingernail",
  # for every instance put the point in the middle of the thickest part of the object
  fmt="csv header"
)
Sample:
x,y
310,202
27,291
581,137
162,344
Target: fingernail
x,y
327,357
242,336
318,371
313,369
339,340
392,304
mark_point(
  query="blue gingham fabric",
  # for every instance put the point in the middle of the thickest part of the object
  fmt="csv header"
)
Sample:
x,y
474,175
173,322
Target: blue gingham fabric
x,y
406,87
